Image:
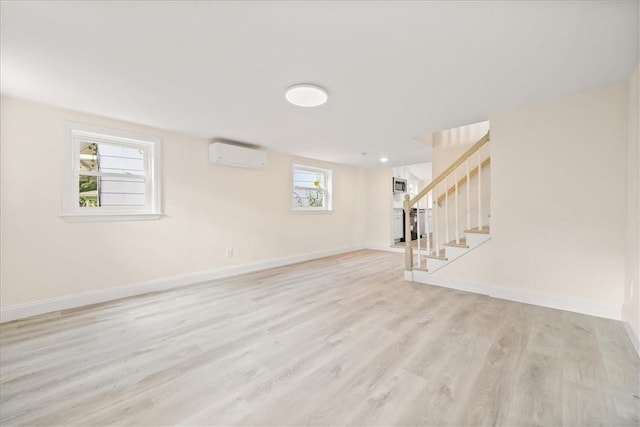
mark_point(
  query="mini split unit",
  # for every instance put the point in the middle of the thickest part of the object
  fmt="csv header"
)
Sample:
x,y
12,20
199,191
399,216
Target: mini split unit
x,y
225,154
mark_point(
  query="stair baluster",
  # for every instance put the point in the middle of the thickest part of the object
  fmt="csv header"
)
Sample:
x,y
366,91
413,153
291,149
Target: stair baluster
x,y
418,232
426,226
468,193
446,210
455,195
436,232
440,249
479,191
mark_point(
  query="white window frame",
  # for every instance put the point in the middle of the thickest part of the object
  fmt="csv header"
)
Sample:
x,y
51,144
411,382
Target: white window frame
x,y
71,210
328,190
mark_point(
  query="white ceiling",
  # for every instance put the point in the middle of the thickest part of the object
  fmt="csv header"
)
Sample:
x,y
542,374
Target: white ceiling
x,y
395,71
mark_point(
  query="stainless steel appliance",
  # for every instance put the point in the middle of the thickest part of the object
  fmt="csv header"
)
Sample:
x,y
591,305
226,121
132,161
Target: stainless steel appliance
x,y
399,185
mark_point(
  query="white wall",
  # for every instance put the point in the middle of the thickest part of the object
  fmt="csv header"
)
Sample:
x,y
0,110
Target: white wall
x,y
559,189
631,307
379,208
207,209
421,172
418,174
449,144
558,201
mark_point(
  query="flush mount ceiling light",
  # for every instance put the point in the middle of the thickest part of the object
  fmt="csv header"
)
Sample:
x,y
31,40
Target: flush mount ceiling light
x,y
384,159
306,95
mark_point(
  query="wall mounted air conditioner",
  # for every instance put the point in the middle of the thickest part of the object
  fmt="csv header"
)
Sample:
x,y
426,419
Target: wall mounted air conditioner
x,y
221,153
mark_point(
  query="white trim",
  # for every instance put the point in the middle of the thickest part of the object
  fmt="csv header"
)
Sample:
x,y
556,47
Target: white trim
x,y
327,189
101,217
520,295
152,177
21,311
306,211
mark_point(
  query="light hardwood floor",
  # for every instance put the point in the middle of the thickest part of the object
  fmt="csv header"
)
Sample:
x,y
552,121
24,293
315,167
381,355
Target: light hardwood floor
x,y
337,341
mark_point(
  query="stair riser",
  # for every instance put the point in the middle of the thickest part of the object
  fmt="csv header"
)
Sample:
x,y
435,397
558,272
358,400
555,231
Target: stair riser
x,y
452,253
475,239
436,264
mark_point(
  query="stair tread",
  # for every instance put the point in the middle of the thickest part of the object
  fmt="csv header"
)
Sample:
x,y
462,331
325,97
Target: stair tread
x,y
440,255
462,244
484,230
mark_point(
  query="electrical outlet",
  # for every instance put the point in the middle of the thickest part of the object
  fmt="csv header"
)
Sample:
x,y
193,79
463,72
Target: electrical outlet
x,y
229,253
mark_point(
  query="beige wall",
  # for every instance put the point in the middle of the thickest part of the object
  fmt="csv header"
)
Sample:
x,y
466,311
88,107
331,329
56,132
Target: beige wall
x,y
379,207
558,200
449,144
558,219
631,308
208,209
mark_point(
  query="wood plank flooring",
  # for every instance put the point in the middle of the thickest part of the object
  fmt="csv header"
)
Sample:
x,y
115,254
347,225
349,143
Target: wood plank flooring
x,y
337,341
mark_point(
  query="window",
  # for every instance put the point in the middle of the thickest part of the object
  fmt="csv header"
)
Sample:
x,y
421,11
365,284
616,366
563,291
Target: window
x,y
110,175
311,189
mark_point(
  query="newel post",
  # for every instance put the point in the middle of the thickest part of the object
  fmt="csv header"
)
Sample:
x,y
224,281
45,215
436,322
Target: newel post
x,y
408,251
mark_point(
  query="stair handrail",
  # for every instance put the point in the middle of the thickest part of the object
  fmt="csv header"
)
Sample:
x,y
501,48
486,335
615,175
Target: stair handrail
x,y
409,202
453,166
473,172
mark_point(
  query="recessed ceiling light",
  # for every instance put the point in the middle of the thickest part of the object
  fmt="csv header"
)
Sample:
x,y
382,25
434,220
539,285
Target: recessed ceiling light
x,y
383,160
306,95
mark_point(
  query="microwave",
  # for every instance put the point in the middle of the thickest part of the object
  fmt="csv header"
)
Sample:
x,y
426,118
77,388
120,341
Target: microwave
x,y
399,185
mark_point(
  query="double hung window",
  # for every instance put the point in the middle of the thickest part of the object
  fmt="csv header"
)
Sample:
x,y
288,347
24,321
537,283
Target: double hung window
x,y
111,175
312,188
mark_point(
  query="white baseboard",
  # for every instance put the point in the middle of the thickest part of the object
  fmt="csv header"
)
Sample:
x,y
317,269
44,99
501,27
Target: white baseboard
x,y
22,311
524,296
87,298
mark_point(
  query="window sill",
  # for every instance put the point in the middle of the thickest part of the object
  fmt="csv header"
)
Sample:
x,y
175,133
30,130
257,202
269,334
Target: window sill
x,y
310,211
106,217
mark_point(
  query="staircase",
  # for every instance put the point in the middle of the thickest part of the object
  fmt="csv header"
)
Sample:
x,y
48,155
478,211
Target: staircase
x,y
452,250
457,204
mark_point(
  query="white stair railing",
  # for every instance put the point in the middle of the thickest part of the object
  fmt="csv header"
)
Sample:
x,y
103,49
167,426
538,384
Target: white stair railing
x,y
418,232
468,193
479,192
437,234
456,196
